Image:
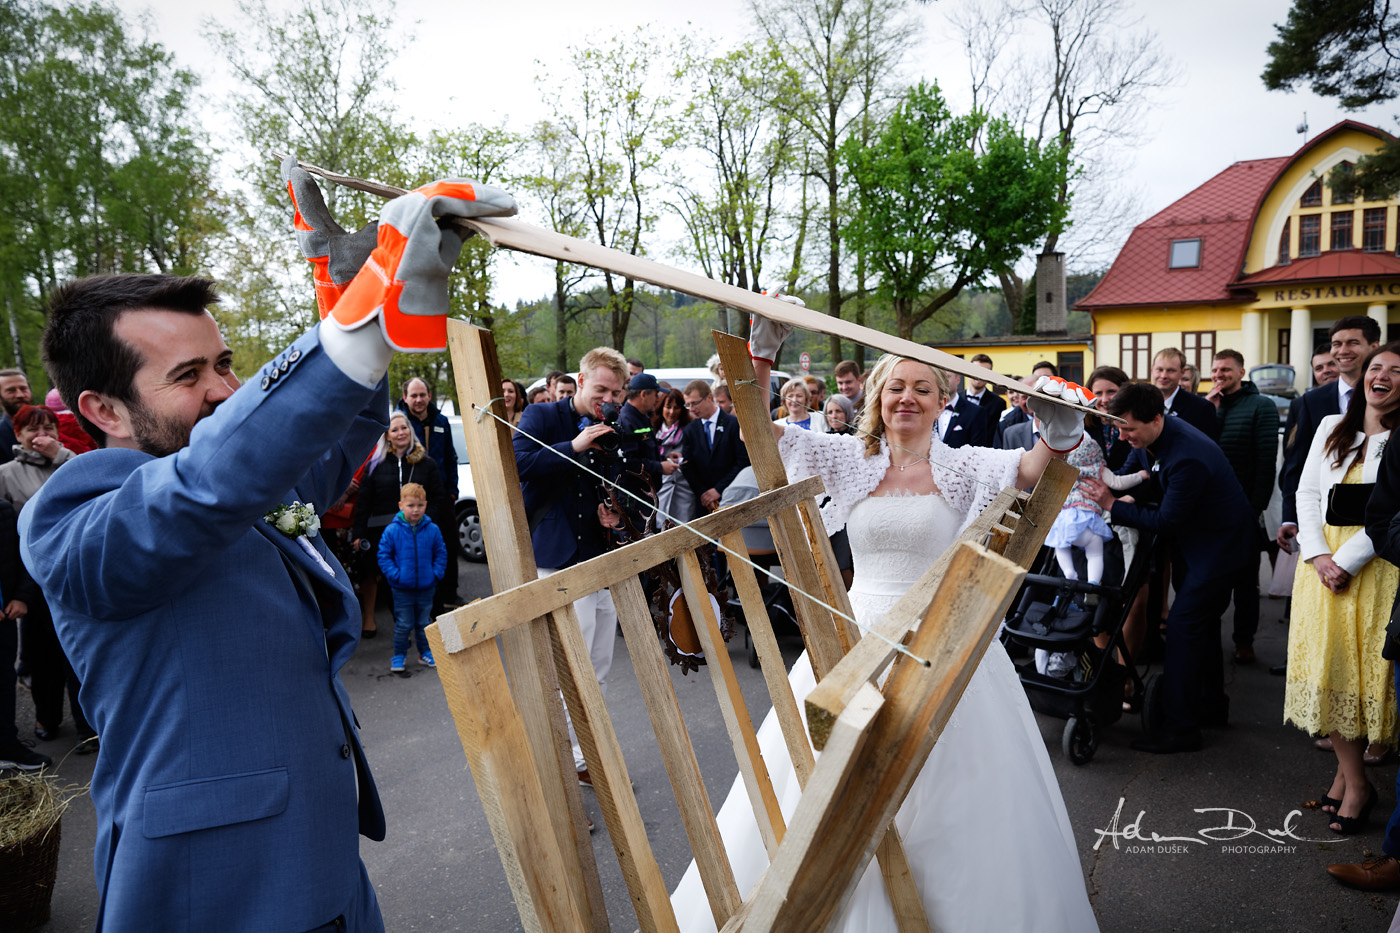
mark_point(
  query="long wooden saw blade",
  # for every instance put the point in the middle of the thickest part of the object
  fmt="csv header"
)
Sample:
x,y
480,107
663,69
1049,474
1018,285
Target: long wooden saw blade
x,y
510,233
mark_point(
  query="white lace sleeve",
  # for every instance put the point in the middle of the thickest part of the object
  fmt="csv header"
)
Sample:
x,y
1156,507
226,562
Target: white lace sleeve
x,y
840,460
971,477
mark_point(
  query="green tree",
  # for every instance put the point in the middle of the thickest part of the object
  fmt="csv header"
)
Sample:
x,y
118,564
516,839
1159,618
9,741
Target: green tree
x,y
937,214
1344,49
616,111
842,57
102,168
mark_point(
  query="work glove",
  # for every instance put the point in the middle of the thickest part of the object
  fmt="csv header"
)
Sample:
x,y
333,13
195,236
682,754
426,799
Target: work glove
x,y
1061,428
335,256
766,336
403,283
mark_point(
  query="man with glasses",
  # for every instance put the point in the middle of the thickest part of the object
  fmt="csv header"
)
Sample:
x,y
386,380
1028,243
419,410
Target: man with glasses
x,y
713,454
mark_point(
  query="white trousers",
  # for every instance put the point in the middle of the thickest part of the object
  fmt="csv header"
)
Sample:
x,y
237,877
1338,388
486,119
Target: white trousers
x,y
597,620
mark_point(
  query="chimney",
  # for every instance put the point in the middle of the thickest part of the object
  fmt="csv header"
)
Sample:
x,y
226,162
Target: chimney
x,y
1050,312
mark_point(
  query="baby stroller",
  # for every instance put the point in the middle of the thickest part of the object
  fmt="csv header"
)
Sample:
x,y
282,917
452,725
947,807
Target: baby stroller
x,y
1061,617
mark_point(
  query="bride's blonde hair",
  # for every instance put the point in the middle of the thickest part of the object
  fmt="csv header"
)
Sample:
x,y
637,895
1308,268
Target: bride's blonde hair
x,y
872,421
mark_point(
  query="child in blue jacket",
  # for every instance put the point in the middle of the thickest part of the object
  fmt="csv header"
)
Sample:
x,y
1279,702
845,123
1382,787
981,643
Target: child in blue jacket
x,y
413,558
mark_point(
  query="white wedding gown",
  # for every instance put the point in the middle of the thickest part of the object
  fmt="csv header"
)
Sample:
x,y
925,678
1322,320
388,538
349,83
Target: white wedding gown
x,y
984,823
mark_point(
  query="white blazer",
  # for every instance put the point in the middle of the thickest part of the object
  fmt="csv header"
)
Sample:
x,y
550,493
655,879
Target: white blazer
x,y
1319,476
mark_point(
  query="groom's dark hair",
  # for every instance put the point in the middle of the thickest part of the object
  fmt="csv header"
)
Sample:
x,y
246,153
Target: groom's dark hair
x,y
81,352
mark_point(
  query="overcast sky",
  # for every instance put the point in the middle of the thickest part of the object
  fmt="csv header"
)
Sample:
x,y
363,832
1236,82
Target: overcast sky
x,y
1216,114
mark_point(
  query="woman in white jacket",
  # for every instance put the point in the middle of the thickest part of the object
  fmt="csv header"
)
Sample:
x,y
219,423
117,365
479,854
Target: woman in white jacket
x,y
795,412
1338,683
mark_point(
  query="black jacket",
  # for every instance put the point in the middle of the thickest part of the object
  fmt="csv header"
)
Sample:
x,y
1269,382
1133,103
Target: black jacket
x,y
1195,411
377,502
1304,415
1383,528
435,434
15,582
638,440
706,467
971,426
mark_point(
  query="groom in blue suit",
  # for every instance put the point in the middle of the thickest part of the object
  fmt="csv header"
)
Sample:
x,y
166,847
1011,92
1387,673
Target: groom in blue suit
x,y
231,787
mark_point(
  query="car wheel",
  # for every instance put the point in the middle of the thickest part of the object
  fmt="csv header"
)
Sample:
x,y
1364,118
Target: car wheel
x,y
469,534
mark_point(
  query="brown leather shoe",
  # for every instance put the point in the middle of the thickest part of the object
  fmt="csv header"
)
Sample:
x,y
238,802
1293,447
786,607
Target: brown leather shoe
x,y
583,779
1376,874
1244,654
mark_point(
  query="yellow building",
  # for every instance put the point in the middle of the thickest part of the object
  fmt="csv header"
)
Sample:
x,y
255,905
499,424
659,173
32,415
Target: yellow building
x,y
1260,259
1014,356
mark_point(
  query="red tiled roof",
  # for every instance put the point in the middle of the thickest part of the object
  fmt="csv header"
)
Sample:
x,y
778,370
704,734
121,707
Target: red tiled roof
x,y
1220,212
1344,263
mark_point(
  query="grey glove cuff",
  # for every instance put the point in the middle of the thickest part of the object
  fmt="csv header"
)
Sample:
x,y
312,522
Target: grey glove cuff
x,y
361,354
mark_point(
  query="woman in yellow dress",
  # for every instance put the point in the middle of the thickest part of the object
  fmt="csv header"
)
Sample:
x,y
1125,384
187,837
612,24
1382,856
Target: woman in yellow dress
x,y
1338,683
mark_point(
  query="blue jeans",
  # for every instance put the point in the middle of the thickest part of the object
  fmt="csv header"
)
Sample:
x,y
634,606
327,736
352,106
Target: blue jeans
x,y
412,612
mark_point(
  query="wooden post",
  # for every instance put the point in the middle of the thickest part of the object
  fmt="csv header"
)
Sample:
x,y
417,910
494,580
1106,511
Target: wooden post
x,y
529,653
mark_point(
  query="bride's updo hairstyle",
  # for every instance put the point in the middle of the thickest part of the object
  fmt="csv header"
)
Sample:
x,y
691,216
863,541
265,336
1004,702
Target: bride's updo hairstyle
x,y
872,421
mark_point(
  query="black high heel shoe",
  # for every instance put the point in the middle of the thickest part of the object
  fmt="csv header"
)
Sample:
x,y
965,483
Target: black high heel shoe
x,y
1328,804
1354,824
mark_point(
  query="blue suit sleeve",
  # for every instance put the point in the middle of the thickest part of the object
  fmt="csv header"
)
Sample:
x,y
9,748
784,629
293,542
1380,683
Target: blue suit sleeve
x,y
532,461
1179,511
114,533
1297,440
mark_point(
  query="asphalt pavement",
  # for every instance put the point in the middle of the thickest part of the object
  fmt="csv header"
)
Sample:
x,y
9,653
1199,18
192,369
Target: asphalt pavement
x,y
438,869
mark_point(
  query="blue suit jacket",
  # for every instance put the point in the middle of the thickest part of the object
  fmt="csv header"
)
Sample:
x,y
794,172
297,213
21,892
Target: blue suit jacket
x,y
568,531
231,787
1196,481
1304,415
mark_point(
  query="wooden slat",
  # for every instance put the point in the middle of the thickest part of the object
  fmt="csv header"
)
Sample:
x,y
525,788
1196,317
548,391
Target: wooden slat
x,y
487,618
493,738
819,630
1037,514
529,654
603,754
770,659
677,753
838,822
731,704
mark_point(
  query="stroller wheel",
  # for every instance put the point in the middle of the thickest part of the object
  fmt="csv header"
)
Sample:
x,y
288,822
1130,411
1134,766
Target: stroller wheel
x,y
1080,740
1152,704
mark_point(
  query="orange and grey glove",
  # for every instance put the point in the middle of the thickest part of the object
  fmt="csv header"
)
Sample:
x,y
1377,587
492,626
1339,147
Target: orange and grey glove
x,y
403,284
1061,428
766,336
335,256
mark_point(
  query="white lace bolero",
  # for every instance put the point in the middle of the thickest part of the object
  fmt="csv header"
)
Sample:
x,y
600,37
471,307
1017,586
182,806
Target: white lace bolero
x,y
968,477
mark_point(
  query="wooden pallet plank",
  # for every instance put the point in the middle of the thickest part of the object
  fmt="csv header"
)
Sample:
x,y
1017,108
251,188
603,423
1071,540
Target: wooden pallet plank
x,y
493,738
534,680
731,704
603,754
510,607
838,823
677,753
770,659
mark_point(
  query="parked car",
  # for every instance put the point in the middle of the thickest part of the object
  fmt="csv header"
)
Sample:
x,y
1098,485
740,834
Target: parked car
x,y
468,520
1275,382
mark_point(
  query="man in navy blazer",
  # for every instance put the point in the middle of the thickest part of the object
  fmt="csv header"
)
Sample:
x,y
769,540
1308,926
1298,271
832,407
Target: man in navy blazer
x,y
1167,367
1352,338
569,523
712,453
964,423
1195,480
230,787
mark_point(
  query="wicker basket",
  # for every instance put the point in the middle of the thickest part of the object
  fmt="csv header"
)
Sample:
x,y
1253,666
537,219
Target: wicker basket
x,y
29,866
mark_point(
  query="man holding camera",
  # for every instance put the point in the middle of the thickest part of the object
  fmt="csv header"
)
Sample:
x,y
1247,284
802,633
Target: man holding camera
x,y
569,520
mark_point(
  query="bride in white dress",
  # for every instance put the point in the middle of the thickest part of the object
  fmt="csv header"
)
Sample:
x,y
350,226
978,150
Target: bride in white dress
x,y
984,824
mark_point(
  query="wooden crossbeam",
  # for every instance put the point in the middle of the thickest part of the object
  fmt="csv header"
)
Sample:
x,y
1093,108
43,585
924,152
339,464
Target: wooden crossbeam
x,y
510,608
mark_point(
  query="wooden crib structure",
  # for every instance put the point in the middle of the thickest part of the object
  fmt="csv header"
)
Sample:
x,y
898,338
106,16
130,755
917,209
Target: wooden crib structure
x,y
873,741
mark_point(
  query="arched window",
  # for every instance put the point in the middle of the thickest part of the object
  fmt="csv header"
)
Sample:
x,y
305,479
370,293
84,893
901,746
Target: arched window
x,y
1284,241
1344,168
1313,196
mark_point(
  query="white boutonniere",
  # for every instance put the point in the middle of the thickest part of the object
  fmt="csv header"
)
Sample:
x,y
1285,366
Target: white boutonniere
x,y
300,522
295,520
